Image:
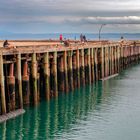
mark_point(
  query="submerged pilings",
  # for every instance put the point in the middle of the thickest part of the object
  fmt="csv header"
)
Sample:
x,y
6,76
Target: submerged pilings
x,y
46,73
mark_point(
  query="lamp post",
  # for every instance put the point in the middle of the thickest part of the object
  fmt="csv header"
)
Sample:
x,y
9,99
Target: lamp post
x,y
100,31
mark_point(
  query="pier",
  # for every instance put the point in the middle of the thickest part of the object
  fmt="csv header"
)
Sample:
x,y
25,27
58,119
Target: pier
x,y
31,73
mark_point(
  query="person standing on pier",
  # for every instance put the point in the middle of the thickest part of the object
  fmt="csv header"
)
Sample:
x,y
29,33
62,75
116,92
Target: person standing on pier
x,y
61,38
81,38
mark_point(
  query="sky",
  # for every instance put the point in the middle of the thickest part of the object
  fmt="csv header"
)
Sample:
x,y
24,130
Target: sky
x,y
69,16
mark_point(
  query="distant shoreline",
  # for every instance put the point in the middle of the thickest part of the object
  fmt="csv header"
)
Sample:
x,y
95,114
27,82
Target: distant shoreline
x,y
55,36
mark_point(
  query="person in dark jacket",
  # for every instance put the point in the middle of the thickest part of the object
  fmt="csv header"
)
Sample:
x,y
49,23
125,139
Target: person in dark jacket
x,y
5,44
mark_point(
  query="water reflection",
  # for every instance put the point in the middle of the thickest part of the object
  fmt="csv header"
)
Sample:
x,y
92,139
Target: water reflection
x,y
50,120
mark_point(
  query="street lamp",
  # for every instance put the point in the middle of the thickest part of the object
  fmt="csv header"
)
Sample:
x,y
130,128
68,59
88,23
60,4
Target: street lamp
x,y
100,31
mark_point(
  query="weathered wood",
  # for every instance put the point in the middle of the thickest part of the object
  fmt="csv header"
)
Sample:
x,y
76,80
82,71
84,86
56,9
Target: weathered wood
x,y
96,64
102,65
82,68
74,71
61,74
70,70
92,64
25,84
34,79
19,80
47,76
66,72
55,74
89,66
78,68
2,89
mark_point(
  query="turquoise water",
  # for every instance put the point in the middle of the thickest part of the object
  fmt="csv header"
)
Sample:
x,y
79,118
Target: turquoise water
x,y
102,111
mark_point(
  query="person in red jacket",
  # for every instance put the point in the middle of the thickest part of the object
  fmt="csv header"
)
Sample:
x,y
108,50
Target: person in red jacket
x,y
61,38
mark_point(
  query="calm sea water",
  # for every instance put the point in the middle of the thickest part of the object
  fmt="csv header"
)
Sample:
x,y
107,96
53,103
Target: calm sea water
x,y
107,110
89,36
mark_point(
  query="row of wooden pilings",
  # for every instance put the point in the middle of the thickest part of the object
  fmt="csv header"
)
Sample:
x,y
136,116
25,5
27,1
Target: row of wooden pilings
x,y
29,78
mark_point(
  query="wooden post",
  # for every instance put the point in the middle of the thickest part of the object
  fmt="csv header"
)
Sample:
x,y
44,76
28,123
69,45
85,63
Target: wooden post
x,y
2,88
89,66
55,74
96,64
74,71
106,64
110,61
82,68
102,62
115,51
107,60
66,72
11,87
25,84
118,56
112,54
19,80
34,78
70,69
78,68
61,70
47,76
92,64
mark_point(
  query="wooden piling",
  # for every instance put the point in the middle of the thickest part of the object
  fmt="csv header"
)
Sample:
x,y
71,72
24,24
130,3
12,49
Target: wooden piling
x,y
66,72
61,74
92,65
11,87
74,71
47,76
102,65
25,84
55,89
82,68
34,79
19,80
112,59
96,63
70,70
78,68
106,61
2,88
89,65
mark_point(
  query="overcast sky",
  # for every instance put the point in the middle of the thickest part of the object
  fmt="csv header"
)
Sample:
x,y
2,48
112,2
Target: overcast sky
x,y
49,16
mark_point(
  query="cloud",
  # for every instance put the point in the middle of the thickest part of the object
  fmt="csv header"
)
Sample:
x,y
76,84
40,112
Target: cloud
x,y
79,13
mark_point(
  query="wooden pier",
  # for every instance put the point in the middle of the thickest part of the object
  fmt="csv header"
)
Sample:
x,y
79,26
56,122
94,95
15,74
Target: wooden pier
x,y
29,74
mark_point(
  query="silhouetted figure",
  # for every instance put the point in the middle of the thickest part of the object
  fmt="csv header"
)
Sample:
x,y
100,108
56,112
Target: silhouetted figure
x,y
122,39
66,42
5,44
81,38
84,38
